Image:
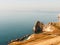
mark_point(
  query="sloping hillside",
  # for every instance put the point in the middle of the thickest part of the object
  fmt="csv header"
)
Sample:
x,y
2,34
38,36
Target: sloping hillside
x,y
45,38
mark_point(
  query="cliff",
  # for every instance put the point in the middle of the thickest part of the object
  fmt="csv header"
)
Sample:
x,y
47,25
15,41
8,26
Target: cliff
x,y
49,36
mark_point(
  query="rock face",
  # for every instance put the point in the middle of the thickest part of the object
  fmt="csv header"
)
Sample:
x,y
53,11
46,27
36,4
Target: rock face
x,y
52,28
50,36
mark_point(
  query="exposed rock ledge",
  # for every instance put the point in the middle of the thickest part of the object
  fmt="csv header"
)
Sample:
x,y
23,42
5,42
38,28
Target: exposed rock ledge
x,y
45,38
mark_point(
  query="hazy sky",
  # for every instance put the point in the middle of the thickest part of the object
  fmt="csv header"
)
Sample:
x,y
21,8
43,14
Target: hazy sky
x,y
30,5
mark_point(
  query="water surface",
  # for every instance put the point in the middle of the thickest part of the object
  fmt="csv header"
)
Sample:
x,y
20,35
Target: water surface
x,y
18,23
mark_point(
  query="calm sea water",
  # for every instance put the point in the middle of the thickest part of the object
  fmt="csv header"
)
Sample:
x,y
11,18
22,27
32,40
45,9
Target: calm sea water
x,y
17,24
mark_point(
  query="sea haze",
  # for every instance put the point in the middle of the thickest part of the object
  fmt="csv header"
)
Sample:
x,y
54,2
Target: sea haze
x,y
15,24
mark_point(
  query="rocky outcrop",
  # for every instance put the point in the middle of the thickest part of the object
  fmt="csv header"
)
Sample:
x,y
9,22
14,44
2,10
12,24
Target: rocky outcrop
x,y
52,28
49,36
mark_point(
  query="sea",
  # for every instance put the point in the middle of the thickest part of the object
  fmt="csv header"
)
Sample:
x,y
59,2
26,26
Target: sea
x,y
16,24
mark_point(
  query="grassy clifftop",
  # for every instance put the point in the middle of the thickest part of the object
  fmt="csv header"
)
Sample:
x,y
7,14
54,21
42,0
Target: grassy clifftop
x,y
40,39
44,38
57,25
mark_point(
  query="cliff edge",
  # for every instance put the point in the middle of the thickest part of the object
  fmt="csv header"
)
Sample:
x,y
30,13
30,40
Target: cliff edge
x,y
50,36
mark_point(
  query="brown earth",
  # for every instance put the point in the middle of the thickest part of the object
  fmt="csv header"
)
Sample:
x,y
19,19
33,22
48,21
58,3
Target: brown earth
x,y
45,38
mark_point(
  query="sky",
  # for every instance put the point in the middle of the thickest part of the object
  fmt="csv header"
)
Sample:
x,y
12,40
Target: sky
x,y
22,5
